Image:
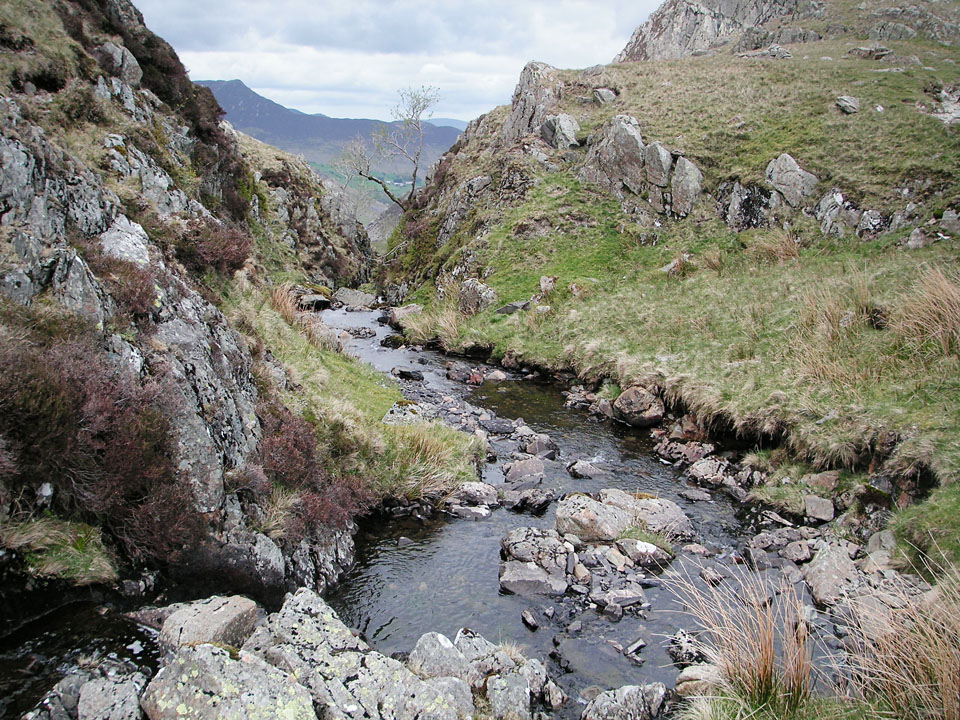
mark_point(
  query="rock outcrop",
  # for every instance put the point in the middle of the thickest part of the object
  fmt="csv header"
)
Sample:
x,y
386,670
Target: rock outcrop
x,y
679,28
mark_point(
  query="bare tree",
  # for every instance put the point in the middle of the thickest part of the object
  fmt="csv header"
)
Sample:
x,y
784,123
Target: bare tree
x,y
402,139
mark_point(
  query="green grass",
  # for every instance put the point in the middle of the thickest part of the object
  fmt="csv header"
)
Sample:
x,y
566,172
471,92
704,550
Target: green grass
x,y
346,400
644,535
56,548
782,333
729,707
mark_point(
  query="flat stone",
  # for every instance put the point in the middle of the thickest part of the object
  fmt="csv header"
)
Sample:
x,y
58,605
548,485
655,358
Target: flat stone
x,y
523,470
527,578
223,620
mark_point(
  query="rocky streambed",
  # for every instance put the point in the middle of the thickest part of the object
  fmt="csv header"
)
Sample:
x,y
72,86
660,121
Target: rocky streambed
x,y
544,589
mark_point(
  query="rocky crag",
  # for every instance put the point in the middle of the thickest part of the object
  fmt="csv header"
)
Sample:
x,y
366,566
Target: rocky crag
x,y
125,207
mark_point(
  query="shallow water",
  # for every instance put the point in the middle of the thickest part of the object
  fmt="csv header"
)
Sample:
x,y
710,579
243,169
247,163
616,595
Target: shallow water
x,y
444,574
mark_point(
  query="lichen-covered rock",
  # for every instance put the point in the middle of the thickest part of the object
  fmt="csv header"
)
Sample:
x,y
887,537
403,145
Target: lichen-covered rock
x,y
630,702
591,520
560,131
542,546
509,696
793,182
206,683
686,186
534,97
831,574
528,578
475,296
222,620
616,157
435,656
658,162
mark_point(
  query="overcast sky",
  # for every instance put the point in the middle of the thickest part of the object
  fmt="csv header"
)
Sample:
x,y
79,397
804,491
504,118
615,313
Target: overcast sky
x,y
349,58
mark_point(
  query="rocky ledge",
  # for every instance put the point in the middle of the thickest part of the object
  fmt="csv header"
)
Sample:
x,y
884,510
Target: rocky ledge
x,y
303,662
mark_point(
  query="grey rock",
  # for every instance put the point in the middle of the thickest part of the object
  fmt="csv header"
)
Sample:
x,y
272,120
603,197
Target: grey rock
x,y
848,104
748,206
457,692
119,61
950,221
470,512
699,679
223,620
818,508
485,657
509,696
711,576
602,96
831,574
657,515
527,578
399,314
534,500
797,551
525,471
474,493
686,186
537,545
407,413
638,407
435,655
210,684
644,554
560,131
615,159
790,180
475,296
111,698
591,520
534,97
658,162
871,222
584,469
355,298
513,307
710,471
126,240
630,702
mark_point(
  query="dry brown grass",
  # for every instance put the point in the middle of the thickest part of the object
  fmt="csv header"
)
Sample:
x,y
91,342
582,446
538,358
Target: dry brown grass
x,y
283,301
908,658
775,247
277,512
758,640
714,260
929,319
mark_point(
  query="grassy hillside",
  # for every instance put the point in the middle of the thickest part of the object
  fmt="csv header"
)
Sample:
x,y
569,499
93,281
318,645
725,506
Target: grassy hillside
x,y
846,350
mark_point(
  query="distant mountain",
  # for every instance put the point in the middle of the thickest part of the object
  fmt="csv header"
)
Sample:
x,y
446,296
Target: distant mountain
x,y
318,138
449,122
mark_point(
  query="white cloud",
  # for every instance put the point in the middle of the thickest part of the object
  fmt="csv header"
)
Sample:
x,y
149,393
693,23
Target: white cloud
x,y
349,60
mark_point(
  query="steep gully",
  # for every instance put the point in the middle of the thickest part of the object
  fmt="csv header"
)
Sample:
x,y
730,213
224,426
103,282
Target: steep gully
x,y
415,574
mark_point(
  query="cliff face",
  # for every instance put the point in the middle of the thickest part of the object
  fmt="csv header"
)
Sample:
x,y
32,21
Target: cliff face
x,y
122,198
681,28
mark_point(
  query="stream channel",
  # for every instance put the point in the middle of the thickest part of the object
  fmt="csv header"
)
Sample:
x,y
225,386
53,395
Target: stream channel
x,y
440,573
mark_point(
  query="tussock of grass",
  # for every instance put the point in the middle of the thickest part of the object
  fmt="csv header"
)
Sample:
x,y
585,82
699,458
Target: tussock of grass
x,y
908,658
930,317
761,646
56,548
644,535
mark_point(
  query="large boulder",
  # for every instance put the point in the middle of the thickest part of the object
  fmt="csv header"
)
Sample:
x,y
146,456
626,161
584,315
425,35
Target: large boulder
x,y
639,407
686,186
221,620
790,180
591,520
560,131
355,298
615,159
538,545
206,683
658,161
535,95
475,296
630,702
656,515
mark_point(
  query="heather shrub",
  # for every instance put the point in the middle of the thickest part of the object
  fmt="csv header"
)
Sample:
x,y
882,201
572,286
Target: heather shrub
x,y
98,435
209,245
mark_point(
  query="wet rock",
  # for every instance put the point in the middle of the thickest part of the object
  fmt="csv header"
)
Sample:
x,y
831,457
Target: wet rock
x,y
591,520
630,702
532,500
208,682
222,620
584,469
497,426
788,178
468,512
524,471
475,296
831,574
529,619
407,374
541,445
638,407
684,650
645,554
527,578
474,493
